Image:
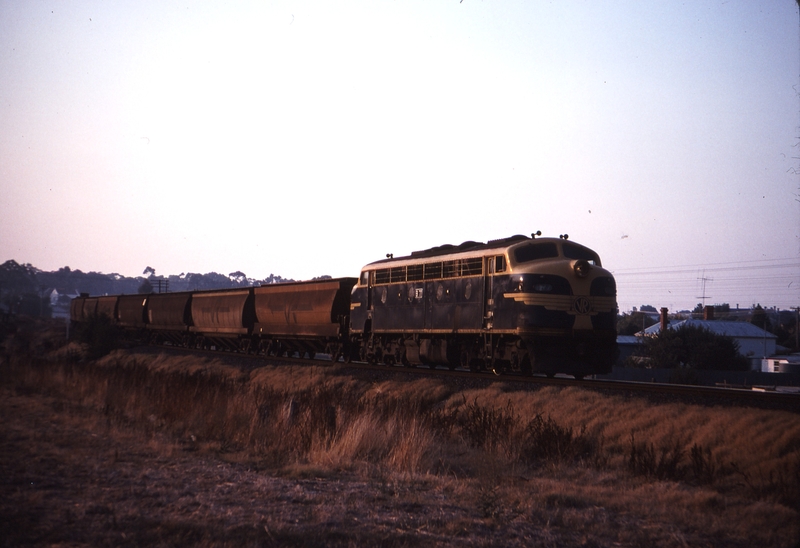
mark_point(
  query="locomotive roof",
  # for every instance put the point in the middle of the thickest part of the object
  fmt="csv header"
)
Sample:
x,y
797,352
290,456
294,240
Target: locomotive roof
x,y
469,246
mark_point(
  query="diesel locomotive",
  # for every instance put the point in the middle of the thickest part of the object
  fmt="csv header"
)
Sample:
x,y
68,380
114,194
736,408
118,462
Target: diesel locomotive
x,y
519,304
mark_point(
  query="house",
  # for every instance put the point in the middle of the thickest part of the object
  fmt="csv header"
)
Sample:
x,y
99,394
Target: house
x,y
754,343
781,364
628,346
60,302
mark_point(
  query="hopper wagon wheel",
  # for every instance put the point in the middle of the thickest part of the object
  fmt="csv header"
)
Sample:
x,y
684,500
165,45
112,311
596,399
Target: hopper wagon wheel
x,y
334,351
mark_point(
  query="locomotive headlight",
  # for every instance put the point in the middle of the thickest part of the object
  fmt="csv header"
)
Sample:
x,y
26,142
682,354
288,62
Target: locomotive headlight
x,y
581,268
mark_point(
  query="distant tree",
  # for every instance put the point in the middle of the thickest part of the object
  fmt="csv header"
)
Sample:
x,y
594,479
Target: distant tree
x,y
149,271
146,287
760,318
30,304
648,308
630,324
238,277
698,309
275,279
695,348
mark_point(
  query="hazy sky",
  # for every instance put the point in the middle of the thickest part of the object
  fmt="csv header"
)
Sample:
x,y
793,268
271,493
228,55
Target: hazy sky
x,y
309,138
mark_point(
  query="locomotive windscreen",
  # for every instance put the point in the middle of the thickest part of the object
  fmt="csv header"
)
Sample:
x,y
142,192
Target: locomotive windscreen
x,y
534,252
573,251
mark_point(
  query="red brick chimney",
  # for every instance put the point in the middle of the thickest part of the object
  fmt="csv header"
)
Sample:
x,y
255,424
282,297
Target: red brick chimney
x,y
708,312
663,319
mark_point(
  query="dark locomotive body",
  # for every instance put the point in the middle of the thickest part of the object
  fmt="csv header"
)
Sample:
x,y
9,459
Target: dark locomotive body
x,y
518,304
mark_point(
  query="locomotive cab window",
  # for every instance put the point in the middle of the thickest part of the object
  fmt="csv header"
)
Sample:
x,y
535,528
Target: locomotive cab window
x,y
572,251
535,252
497,264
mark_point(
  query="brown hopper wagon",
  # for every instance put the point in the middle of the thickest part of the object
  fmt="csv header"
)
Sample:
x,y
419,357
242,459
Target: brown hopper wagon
x,y
304,317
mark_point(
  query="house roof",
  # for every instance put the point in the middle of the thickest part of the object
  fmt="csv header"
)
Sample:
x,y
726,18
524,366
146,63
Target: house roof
x,y
737,330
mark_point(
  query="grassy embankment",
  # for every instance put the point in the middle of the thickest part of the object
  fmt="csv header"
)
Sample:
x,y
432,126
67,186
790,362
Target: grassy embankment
x,y
554,456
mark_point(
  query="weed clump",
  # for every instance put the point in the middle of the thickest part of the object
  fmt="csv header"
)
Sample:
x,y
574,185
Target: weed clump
x,y
662,463
99,334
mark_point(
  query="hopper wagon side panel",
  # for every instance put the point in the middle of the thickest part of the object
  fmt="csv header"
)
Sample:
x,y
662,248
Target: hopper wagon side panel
x,y
132,310
311,309
107,306
223,312
76,309
168,311
89,308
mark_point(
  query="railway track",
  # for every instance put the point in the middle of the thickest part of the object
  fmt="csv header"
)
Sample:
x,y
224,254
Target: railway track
x,y
707,395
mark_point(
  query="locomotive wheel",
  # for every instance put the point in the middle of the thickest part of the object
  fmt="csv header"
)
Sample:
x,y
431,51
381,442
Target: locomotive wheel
x,y
464,360
525,367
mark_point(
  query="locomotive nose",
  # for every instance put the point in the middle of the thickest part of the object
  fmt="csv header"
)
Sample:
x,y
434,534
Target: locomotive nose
x,y
581,267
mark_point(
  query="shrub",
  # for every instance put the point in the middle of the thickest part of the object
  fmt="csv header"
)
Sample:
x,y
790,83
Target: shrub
x,y
99,334
696,348
662,463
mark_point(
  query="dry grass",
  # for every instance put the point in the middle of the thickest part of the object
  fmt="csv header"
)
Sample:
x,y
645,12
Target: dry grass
x,y
554,466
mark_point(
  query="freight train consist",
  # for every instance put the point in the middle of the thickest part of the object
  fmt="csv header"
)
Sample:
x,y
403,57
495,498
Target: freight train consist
x,y
528,305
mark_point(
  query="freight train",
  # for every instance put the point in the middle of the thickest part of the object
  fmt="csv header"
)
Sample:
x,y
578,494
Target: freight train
x,y
520,304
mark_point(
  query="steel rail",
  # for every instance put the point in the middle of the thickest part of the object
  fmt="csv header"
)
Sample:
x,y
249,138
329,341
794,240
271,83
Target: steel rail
x,y
712,394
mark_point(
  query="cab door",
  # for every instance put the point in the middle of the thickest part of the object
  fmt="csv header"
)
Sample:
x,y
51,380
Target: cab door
x,y
488,286
494,265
